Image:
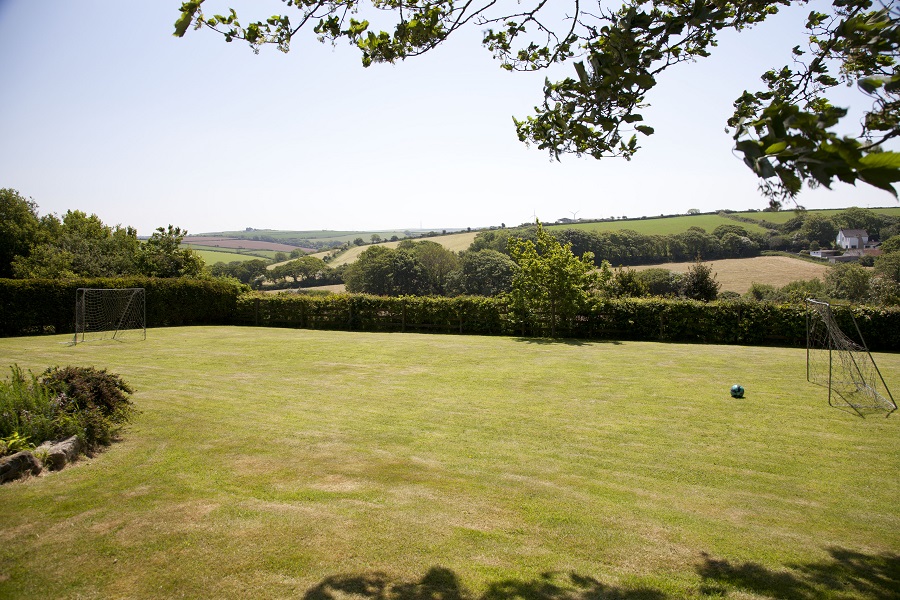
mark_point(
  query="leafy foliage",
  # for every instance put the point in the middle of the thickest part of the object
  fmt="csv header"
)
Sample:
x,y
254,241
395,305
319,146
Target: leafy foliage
x,y
787,133
551,281
19,228
163,256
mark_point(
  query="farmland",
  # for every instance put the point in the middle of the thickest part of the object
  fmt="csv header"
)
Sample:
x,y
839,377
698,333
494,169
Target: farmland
x,y
660,226
455,242
470,468
737,275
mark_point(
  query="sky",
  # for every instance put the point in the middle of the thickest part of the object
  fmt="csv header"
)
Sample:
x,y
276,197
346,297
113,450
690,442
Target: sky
x,y
104,111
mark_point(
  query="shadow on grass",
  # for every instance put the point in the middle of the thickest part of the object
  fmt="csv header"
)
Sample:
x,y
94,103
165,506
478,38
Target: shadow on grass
x,y
846,574
565,341
443,584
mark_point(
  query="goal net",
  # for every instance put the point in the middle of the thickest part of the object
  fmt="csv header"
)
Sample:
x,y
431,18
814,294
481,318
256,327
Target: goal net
x,y
103,314
844,366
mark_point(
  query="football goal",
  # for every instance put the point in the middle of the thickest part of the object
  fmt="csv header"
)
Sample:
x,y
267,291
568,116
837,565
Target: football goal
x,y
103,314
844,366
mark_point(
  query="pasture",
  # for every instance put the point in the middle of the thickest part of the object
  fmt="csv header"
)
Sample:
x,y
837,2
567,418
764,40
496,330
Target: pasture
x,y
455,242
276,463
738,274
661,226
786,215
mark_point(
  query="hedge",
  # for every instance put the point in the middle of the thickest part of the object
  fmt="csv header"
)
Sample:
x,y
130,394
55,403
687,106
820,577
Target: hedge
x,y
47,306
652,319
34,306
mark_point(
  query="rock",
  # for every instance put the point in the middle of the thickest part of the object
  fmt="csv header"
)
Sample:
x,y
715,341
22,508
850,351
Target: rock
x,y
63,452
18,465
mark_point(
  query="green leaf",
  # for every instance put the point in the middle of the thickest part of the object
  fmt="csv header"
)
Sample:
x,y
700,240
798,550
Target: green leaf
x,y
776,147
645,129
188,9
881,160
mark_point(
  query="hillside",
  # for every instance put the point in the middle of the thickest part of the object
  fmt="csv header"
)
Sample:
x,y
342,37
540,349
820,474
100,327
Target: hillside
x,y
738,274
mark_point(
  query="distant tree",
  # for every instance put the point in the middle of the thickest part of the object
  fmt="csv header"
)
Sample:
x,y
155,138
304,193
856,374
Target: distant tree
x,y
485,273
551,282
862,218
371,272
699,283
359,242
820,229
438,262
280,257
80,246
296,253
163,256
245,271
798,291
888,266
848,281
693,211
20,228
891,245
660,282
625,283
375,238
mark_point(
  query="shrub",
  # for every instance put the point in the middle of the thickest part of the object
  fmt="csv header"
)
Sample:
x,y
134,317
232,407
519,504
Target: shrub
x,y
97,400
27,409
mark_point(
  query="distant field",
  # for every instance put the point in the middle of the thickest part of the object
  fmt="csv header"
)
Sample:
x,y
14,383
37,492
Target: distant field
x,y
455,242
222,242
738,274
319,235
662,226
211,257
784,216
327,465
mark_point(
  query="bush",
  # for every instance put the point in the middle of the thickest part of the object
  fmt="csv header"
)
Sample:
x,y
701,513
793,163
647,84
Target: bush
x,y
98,400
61,403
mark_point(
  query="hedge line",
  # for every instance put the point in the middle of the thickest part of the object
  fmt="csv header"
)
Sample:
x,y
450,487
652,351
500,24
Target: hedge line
x,y
47,306
33,306
655,319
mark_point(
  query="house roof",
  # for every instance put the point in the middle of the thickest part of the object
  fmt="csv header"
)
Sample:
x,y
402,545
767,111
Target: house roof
x,y
854,232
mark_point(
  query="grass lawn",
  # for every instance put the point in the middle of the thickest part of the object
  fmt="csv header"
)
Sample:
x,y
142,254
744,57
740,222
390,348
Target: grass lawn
x,y
277,463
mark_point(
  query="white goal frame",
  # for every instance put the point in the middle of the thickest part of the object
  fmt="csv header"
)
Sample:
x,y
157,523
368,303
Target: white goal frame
x,y
104,314
844,366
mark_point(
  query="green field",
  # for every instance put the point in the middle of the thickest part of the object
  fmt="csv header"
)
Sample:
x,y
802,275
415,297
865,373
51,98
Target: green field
x,y
320,235
784,216
455,242
211,257
662,226
276,463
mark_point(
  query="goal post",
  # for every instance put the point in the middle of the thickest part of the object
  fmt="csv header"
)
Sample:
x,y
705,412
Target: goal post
x,y
103,314
844,366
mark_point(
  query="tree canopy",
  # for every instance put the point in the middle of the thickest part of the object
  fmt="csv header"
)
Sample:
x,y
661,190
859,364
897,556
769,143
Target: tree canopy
x,y
788,133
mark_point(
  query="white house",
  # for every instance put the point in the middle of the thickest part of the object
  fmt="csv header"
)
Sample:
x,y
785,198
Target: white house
x,y
852,238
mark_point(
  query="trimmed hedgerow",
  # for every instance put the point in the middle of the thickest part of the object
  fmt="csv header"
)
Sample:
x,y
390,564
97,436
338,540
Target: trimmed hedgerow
x,y
35,306
651,319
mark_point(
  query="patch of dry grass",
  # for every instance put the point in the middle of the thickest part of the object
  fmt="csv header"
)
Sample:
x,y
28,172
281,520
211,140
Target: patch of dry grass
x,y
738,274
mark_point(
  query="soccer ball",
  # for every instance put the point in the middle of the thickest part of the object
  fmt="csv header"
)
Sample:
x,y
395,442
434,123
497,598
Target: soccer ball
x,y
737,391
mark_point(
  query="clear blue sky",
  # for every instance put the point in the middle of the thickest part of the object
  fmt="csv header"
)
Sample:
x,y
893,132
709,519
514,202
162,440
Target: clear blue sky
x,y
103,110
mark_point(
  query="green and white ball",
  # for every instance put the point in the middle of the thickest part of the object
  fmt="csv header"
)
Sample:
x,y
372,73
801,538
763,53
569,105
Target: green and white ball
x,y
737,391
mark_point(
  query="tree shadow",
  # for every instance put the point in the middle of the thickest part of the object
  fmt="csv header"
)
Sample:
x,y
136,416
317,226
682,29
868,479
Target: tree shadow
x,y
440,583
542,341
875,577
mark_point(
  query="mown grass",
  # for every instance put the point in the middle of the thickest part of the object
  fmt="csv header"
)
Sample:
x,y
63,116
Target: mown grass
x,y
289,463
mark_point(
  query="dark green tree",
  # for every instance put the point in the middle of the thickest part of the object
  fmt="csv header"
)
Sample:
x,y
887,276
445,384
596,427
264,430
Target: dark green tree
x,y
20,228
848,281
788,134
699,283
163,256
371,272
485,273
